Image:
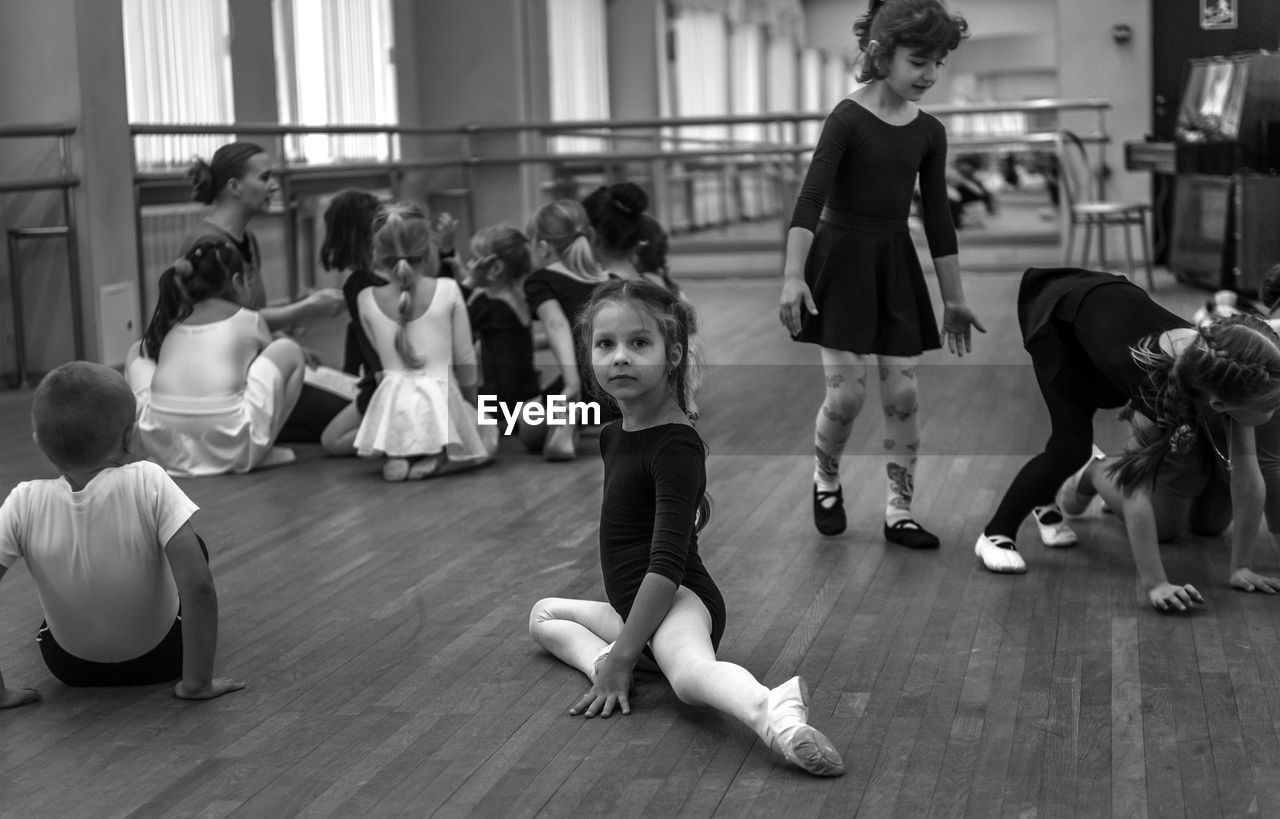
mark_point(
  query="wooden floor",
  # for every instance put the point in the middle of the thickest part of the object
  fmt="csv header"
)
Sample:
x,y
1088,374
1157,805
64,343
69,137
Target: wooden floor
x,y
382,632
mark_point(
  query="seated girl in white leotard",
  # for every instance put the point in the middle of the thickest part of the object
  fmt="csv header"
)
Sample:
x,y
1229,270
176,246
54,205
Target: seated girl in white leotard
x,y
213,389
422,416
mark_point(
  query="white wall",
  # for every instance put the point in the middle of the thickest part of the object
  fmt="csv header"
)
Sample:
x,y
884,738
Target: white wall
x,y
1092,64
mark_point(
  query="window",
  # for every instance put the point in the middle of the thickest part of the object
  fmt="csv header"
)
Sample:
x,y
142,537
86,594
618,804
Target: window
x,y
335,66
576,42
701,75
177,70
746,93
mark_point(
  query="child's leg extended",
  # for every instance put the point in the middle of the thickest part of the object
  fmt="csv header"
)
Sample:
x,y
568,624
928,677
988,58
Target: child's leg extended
x,y
682,646
577,632
845,376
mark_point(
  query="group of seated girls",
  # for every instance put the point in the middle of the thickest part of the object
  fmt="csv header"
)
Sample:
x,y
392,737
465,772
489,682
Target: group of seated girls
x,y
216,378
512,278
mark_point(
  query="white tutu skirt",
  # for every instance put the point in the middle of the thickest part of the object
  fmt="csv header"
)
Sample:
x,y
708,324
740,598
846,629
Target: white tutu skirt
x,y
414,413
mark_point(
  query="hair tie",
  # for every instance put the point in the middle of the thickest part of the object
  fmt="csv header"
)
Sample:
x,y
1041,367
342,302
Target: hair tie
x,y
1182,439
618,204
183,267
577,234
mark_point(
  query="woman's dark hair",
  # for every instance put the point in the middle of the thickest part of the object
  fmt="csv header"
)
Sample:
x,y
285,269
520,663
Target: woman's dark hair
x,y
348,231
1235,359
924,25
615,213
204,272
229,162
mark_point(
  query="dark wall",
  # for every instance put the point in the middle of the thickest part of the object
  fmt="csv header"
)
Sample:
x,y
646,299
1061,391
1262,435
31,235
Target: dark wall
x,y
1177,37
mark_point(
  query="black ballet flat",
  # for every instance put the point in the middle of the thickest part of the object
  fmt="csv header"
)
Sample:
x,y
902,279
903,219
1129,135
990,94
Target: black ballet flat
x,y
910,534
829,520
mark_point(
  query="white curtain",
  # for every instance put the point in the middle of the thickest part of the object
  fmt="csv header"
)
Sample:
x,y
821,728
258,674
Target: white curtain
x,y
746,89
701,75
335,67
780,93
810,92
576,41
177,70
702,90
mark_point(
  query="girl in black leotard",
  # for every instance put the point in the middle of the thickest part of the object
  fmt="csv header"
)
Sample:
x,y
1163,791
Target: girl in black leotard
x,y
1097,341
853,283
662,601
567,273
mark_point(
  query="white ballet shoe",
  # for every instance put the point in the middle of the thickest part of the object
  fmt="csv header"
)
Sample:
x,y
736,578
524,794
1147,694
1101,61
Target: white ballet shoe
x,y
999,554
1053,527
278,456
788,732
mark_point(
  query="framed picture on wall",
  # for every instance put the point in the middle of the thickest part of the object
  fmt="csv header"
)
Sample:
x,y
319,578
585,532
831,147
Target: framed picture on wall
x,y
1216,14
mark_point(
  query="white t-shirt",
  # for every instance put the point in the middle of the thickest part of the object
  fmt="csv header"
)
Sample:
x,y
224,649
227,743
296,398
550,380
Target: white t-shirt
x,y
97,557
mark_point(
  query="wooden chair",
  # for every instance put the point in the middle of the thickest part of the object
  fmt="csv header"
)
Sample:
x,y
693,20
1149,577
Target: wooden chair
x,y
1080,184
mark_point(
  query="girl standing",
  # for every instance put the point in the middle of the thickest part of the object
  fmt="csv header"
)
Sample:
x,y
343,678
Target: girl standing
x,y
556,293
422,416
662,602
213,389
853,283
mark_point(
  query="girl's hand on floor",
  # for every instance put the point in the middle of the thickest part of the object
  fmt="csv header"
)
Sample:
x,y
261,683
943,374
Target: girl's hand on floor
x,y
1249,580
13,697
1168,597
611,689
219,686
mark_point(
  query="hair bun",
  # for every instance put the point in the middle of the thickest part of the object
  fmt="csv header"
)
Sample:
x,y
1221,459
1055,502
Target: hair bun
x,y
629,198
201,175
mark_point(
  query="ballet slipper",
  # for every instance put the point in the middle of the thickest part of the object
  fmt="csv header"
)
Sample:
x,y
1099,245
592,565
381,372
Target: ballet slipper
x,y
560,444
424,468
395,470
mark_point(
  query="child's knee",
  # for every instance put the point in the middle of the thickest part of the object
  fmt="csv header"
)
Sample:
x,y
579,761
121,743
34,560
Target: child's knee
x,y
542,612
899,396
845,395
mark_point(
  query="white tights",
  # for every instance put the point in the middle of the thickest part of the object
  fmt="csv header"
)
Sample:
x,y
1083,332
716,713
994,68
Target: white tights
x,y
576,631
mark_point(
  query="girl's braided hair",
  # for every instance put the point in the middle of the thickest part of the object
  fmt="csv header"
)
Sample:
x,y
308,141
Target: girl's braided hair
x,y
1234,359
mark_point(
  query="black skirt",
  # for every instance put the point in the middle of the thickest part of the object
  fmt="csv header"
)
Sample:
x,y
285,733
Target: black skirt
x,y
869,288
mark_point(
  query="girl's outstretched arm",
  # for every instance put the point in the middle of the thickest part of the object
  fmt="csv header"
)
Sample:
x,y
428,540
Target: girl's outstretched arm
x,y
612,687
1140,525
958,320
13,697
1252,490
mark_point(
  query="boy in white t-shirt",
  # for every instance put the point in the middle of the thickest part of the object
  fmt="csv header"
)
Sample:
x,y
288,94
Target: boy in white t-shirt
x,y
111,549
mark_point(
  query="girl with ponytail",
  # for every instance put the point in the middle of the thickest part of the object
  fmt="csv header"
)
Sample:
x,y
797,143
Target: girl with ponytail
x,y
1194,397
213,389
566,276
422,415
